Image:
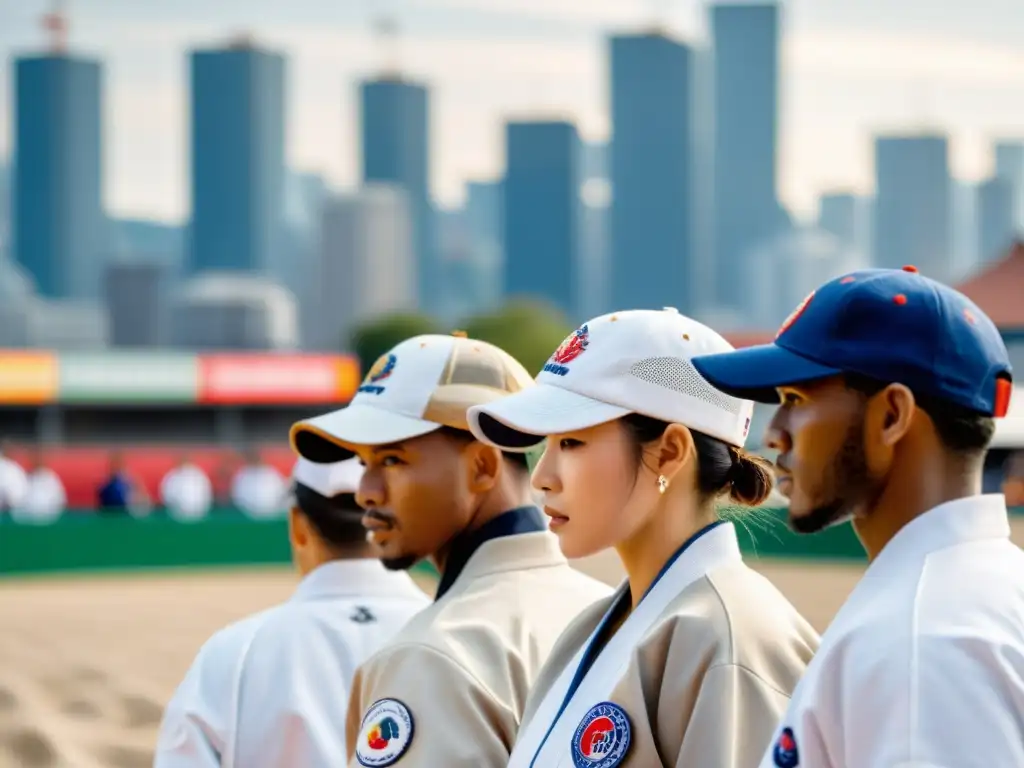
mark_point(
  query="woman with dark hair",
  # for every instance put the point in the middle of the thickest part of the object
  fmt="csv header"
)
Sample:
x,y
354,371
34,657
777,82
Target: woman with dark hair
x,y
692,661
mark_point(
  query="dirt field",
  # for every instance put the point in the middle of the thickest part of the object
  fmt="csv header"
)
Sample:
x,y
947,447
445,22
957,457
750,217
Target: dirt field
x,y
86,664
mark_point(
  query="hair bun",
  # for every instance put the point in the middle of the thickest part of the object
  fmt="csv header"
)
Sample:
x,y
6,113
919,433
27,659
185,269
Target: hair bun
x,y
750,479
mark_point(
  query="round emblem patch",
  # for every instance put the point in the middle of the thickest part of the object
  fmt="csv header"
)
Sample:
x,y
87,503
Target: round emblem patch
x,y
602,737
785,753
385,734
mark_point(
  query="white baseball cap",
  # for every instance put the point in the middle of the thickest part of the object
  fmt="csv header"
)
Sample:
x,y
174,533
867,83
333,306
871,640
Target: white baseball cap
x,y
328,480
425,383
636,361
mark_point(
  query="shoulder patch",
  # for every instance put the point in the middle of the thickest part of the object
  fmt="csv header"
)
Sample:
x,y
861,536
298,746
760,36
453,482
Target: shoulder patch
x,y
602,738
785,753
385,733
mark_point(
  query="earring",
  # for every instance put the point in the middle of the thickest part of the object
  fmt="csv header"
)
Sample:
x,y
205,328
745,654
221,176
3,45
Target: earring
x,y
662,483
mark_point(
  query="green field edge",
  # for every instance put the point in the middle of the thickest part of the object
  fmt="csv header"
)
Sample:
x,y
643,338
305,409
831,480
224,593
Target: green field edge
x,y
98,546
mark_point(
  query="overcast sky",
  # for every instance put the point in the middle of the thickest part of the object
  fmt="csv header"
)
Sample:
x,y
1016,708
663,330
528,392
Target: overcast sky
x,y
850,67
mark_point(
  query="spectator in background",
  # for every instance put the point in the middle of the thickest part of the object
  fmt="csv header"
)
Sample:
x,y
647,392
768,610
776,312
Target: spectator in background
x,y
45,498
1013,480
121,494
258,489
13,480
186,491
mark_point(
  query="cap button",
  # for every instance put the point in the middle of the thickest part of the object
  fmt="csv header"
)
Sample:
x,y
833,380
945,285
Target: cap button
x,y
670,309
910,268
459,334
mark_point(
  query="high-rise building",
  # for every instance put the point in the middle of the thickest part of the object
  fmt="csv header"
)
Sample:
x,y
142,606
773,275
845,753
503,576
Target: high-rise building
x,y
839,213
746,107
913,221
651,221
996,218
135,297
541,220
1010,166
238,170
396,150
367,262
58,226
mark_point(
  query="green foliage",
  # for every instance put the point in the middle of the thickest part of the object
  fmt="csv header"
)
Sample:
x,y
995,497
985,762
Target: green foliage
x,y
528,330
372,339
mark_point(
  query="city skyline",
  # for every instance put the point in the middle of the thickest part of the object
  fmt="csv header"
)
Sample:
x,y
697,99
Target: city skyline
x,y
841,82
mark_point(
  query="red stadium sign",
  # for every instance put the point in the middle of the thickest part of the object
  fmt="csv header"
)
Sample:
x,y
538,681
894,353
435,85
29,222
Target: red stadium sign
x,y
277,379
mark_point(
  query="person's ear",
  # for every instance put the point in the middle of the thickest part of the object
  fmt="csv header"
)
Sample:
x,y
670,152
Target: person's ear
x,y
483,464
674,450
298,528
896,408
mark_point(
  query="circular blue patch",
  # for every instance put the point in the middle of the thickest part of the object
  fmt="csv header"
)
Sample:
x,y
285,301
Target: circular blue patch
x,y
385,734
602,738
785,754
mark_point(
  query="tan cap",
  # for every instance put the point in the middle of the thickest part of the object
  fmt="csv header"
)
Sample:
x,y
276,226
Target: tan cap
x,y
424,383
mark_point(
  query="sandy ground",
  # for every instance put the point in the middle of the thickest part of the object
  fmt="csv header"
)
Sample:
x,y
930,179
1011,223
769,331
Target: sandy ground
x,y
86,664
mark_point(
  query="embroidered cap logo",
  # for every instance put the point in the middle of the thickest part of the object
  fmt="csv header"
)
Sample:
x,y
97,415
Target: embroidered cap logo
x,y
380,371
795,314
568,350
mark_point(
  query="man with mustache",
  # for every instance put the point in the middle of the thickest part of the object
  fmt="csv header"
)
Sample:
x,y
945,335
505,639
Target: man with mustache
x,y
450,688
889,385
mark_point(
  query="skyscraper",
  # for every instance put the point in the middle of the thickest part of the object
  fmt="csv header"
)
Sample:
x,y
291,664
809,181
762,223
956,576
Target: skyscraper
x,y
838,213
1010,166
651,173
996,218
913,219
746,96
396,150
366,262
58,227
541,221
238,171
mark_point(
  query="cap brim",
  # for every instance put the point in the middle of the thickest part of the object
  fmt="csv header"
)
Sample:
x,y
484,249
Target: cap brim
x,y
520,421
333,436
753,373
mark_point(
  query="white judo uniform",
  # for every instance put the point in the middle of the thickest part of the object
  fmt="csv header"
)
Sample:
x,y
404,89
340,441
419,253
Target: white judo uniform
x,y
271,690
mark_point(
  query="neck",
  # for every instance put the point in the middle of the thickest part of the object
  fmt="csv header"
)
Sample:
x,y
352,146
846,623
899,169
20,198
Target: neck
x,y
911,494
645,553
499,501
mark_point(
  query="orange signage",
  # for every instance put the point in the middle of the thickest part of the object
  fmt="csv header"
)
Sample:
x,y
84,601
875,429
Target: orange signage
x,y
27,378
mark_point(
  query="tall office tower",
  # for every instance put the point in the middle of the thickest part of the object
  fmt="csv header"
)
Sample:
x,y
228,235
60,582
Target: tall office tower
x,y
396,150
839,213
367,263
542,212
996,218
913,217
483,220
238,170
1010,166
58,228
651,218
746,108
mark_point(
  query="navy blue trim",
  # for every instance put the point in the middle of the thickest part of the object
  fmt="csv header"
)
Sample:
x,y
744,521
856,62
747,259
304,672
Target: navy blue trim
x,y
593,653
511,523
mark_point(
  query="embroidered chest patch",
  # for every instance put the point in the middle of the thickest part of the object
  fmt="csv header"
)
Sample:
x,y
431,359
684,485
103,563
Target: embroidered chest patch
x,y
785,753
602,738
385,733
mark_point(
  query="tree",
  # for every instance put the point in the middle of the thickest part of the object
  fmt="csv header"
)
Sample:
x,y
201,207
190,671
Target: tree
x,y
528,330
372,339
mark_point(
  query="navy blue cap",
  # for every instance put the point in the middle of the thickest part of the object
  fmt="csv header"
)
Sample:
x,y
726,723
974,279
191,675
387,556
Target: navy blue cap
x,y
895,326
